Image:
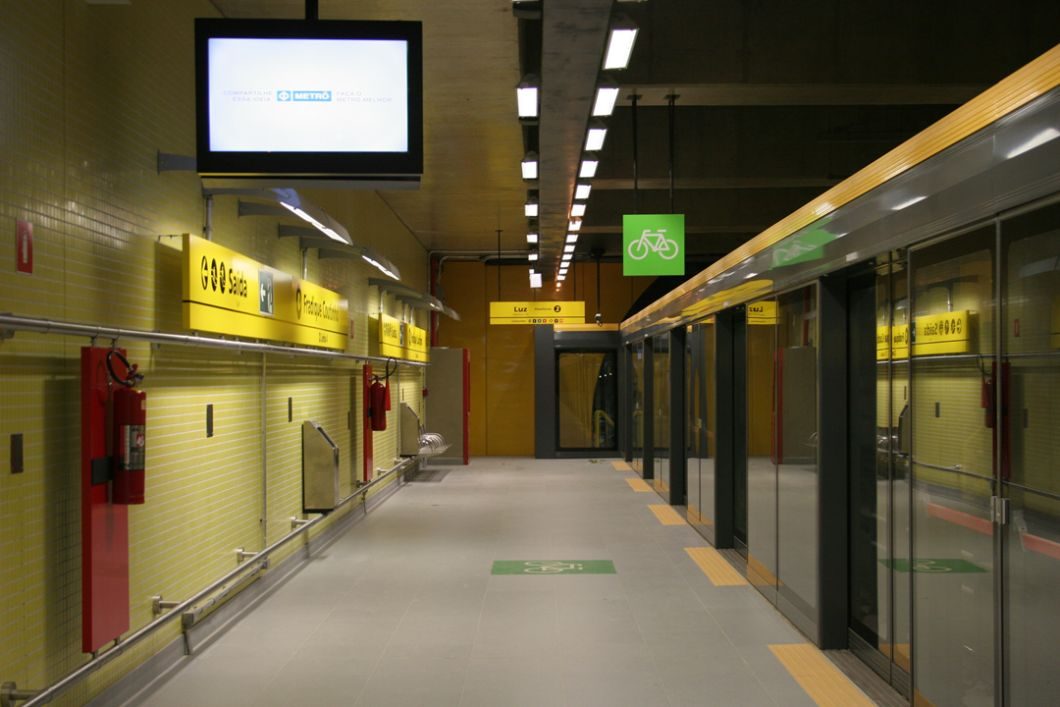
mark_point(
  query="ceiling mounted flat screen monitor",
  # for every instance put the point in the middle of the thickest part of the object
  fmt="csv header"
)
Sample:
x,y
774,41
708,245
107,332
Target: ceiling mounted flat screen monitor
x,y
320,100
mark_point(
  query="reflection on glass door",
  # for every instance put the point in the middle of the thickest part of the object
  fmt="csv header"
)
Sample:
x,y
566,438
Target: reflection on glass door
x,y
953,377
795,454
660,363
637,405
587,398
878,346
1029,464
699,386
761,470
693,421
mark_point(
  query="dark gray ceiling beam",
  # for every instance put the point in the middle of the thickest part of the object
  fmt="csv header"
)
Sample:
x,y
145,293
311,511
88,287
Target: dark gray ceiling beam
x,y
655,183
572,46
747,94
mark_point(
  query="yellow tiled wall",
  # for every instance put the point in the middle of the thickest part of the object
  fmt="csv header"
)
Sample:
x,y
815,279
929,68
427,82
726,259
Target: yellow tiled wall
x,y
88,95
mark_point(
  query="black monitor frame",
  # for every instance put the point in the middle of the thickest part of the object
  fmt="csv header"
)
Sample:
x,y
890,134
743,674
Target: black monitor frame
x,y
309,164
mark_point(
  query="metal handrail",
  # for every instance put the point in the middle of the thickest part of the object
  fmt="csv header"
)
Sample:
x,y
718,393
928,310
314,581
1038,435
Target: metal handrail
x,y
11,322
259,561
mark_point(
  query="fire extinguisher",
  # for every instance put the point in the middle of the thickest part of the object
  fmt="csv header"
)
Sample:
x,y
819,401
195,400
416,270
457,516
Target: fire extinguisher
x,y
377,405
130,429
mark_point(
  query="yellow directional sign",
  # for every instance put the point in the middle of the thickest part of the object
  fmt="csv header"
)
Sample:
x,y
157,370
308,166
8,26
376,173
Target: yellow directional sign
x,y
892,342
225,292
946,333
537,312
762,313
416,348
401,339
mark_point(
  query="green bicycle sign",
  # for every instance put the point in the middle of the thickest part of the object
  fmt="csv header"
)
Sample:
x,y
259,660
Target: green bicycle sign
x,y
653,244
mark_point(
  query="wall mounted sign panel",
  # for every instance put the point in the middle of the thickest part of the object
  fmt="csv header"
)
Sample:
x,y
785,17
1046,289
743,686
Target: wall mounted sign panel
x,y
298,99
537,312
946,333
892,342
762,313
416,343
653,244
226,292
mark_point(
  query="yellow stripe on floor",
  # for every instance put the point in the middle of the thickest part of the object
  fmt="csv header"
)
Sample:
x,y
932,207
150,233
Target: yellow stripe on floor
x,y
718,571
621,466
639,485
666,514
818,676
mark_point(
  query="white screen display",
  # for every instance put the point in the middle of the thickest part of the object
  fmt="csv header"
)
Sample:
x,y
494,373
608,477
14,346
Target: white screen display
x,y
308,95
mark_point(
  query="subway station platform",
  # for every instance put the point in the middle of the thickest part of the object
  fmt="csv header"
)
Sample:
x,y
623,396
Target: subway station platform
x,y
513,582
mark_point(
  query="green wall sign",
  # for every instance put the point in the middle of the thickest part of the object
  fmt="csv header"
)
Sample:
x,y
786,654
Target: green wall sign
x,y
653,244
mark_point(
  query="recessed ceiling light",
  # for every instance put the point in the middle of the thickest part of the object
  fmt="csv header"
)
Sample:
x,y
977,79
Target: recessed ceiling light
x,y
526,97
582,191
620,44
529,165
606,96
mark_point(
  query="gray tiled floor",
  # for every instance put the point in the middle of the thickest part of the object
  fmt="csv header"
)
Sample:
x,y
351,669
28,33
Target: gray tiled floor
x,y
402,610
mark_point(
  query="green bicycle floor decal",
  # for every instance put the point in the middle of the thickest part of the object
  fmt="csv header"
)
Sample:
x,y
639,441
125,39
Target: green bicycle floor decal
x,y
553,567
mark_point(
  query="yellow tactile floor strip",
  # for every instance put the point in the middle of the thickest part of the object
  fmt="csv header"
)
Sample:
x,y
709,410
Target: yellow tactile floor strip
x,y
821,680
666,514
639,485
718,571
621,466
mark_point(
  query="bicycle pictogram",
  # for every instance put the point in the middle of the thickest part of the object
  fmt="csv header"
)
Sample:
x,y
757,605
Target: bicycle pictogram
x,y
550,567
653,242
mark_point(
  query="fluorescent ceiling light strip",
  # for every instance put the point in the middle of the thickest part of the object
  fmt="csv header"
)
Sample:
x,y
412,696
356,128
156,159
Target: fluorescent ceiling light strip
x,y
568,256
1036,141
604,105
582,191
908,203
619,48
530,210
529,169
595,139
532,257
574,225
588,169
577,209
572,237
531,238
569,248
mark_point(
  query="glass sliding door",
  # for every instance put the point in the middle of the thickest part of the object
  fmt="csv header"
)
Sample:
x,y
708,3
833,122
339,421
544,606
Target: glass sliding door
x,y
1028,385
587,398
699,386
637,406
661,412
953,374
878,346
693,421
761,487
795,454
